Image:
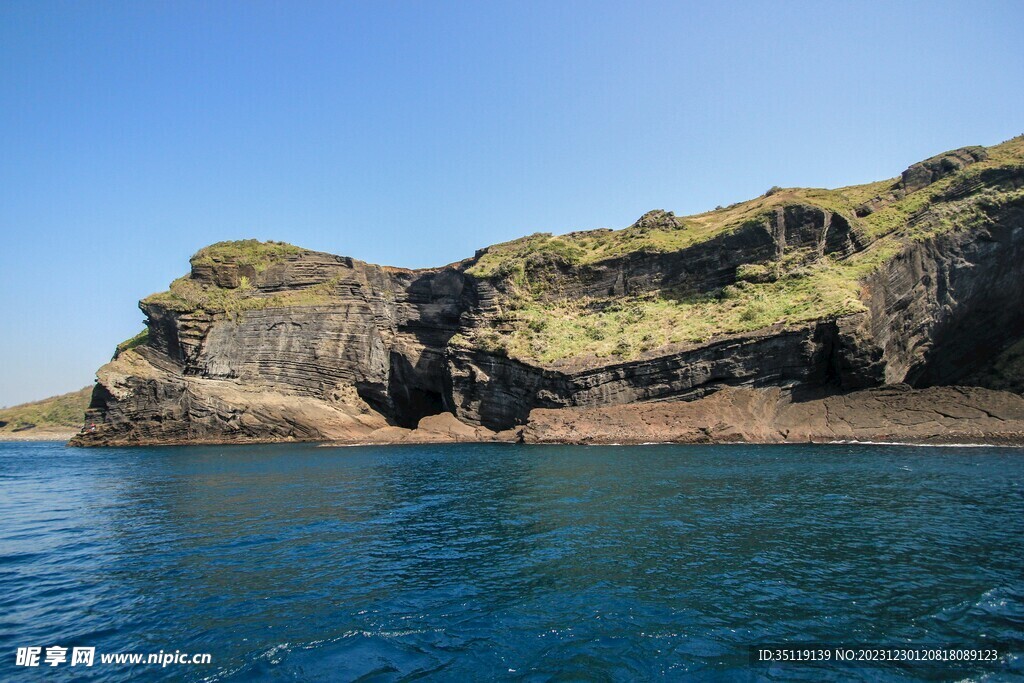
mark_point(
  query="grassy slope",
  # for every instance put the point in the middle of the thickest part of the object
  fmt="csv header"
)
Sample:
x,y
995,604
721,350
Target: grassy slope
x,y
806,289
803,287
185,294
592,246
58,413
259,255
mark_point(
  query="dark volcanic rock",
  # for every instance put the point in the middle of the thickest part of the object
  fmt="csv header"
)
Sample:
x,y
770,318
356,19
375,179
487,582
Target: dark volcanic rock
x,y
706,266
944,306
928,171
326,347
499,392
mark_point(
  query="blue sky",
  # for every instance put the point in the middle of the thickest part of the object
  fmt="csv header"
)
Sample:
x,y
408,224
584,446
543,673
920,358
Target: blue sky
x,y
413,133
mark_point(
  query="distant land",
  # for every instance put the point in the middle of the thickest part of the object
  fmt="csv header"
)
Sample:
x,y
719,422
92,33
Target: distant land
x,y
54,418
885,311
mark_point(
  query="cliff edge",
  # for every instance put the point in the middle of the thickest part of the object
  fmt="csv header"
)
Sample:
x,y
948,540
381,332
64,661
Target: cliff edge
x,y
914,282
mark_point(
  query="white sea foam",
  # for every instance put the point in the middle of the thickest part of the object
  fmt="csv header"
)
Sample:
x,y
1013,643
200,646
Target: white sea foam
x,y
854,442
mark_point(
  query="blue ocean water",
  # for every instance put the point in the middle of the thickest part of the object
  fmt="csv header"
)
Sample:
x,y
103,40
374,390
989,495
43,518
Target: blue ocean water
x,y
499,562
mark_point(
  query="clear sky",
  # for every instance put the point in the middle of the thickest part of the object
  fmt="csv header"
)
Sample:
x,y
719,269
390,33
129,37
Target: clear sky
x,y
413,133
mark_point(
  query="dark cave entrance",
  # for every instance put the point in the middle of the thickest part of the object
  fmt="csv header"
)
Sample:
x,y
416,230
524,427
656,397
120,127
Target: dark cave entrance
x,y
414,392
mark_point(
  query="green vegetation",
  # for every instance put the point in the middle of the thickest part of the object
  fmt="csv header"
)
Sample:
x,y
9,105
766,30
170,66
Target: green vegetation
x,y
509,258
904,216
259,255
592,246
138,340
1008,152
186,295
64,412
799,288
626,327
532,324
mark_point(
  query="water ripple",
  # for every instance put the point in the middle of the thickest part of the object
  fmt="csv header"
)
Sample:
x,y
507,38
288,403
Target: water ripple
x,y
492,562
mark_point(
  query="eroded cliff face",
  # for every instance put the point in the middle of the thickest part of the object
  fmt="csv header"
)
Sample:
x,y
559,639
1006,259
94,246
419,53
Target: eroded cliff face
x,y
946,305
938,310
499,392
357,346
264,343
706,266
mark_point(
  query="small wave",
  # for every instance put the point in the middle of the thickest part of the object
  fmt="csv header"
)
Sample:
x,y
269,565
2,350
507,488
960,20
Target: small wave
x,y
273,655
855,442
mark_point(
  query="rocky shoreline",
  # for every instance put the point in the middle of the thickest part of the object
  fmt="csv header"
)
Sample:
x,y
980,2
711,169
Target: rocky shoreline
x,y
898,414
895,414
39,435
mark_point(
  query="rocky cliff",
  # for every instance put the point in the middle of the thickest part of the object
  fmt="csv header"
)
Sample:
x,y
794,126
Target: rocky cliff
x,y
917,281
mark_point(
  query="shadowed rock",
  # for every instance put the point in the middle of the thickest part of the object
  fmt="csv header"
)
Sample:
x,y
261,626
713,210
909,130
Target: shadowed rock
x,y
266,342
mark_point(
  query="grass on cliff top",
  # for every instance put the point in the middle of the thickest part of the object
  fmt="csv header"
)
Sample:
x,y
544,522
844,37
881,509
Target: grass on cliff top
x,y
592,246
553,332
597,245
1011,151
800,288
900,217
259,255
627,327
185,295
798,291
66,411
138,340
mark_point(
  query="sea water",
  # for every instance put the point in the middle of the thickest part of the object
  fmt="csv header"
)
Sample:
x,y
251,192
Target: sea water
x,y
505,562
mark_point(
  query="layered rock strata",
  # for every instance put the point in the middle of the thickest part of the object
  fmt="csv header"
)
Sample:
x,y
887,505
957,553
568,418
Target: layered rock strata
x,y
264,342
